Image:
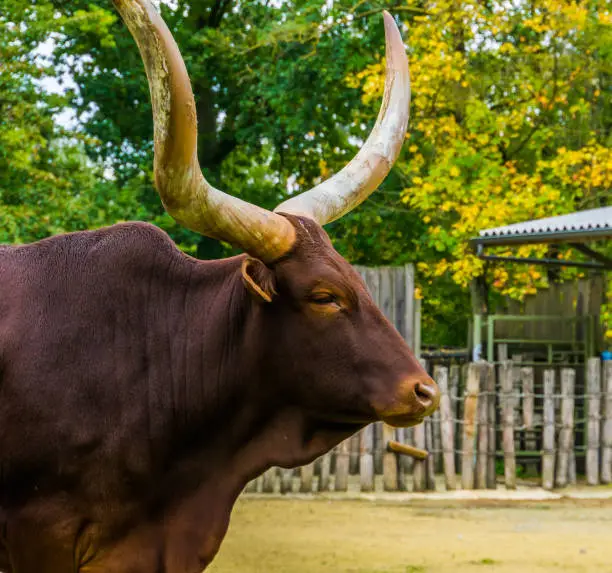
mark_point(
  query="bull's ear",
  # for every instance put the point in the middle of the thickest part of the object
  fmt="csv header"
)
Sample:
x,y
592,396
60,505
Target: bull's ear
x,y
258,279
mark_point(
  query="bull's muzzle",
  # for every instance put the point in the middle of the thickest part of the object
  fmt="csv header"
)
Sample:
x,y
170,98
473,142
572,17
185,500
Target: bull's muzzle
x,y
415,399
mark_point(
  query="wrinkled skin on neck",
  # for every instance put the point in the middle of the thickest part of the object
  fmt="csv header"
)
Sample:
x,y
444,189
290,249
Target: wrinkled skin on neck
x,y
152,387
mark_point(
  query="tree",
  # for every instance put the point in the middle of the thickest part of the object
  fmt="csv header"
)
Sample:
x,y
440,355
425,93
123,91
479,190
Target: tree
x,y
510,122
47,184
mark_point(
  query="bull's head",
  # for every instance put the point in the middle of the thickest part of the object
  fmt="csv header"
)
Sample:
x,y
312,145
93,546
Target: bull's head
x,y
330,323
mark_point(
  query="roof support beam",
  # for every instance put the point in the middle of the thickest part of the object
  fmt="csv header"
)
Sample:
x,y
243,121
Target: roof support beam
x,y
596,256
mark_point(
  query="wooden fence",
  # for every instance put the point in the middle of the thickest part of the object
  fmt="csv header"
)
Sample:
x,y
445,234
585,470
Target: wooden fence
x,y
496,425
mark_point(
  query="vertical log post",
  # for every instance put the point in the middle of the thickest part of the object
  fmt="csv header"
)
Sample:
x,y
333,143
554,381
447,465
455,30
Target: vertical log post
x,y
366,462
506,371
430,472
437,441
566,434
286,480
342,466
419,468
269,480
606,449
389,460
469,425
407,462
492,440
447,427
482,444
306,478
528,408
453,382
324,476
251,487
593,421
548,432
354,447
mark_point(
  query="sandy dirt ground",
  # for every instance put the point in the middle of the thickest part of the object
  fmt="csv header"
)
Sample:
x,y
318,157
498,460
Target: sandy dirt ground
x,y
319,536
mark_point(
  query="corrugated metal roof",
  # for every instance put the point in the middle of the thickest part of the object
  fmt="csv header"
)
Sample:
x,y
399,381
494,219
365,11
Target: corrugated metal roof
x,y
580,226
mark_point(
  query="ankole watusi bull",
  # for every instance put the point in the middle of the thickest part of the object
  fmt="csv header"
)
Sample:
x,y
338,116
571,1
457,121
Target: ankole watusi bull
x,y
141,389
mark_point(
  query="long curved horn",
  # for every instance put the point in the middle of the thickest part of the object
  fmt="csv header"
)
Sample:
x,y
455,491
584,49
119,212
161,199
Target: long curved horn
x,y
184,191
353,184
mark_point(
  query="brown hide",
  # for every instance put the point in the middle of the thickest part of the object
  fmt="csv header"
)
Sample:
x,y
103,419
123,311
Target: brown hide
x,y
141,389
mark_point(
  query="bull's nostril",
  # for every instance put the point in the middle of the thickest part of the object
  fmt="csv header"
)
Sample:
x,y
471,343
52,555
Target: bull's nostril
x,y
424,393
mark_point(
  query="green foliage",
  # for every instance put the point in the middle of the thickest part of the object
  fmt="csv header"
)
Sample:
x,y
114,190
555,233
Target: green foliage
x,y
511,120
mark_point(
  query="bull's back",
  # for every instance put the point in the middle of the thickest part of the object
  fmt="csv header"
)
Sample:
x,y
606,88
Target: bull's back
x,y
73,352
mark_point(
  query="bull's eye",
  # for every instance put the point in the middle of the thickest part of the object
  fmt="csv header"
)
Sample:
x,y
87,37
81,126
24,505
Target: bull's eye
x,y
323,298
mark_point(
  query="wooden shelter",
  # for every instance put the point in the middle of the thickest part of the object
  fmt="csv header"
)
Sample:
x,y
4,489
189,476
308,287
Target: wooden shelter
x,y
560,324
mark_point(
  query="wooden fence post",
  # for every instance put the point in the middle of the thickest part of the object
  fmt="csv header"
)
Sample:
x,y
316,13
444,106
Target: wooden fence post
x,y
470,409
447,427
437,441
377,447
389,460
406,462
251,487
453,390
324,475
594,420
342,466
354,452
492,439
482,447
528,408
366,462
419,468
566,433
606,450
506,371
306,478
286,480
548,433
430,472
269,480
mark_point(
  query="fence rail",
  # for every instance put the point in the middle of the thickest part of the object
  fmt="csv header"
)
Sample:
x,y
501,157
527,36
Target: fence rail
x,y
496,425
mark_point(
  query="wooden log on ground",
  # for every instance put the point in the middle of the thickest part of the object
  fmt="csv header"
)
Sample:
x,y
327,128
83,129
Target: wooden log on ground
x,y
286,480
447,428
506,374
606,438
342,466
482,440
407,450
470,410
566,433
269,480
419,469
306,478
366,461
389,461
593,384
430,472
492,438
548,431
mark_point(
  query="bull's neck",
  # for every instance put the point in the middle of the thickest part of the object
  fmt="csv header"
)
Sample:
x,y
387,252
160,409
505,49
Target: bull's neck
x,y
210,340
221,406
